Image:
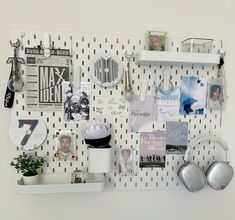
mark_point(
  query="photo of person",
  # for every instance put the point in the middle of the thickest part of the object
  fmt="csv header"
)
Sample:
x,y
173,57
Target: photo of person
x,y
65,146
156,40
215,97
76,102
126,162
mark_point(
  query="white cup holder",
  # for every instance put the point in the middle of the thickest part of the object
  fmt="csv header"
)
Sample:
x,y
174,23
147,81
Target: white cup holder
x,y
99,160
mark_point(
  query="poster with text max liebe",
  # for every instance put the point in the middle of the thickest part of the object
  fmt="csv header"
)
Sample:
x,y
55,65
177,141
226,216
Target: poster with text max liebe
x,y
44,78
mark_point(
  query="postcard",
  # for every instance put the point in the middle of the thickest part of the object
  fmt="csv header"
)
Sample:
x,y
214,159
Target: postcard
x,y
167,106
193,95
111,106
176,137
152,149
141,114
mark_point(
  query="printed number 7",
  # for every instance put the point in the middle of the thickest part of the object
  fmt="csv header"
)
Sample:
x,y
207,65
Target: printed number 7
x,y
33,124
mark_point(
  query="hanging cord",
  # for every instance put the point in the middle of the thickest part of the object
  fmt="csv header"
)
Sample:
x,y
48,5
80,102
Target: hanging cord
x,y
221,78
71,68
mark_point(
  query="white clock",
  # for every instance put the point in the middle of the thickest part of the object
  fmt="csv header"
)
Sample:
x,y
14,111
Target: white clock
x,y
28,133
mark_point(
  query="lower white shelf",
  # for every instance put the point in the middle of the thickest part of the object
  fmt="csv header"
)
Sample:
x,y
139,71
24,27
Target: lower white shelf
x,y
59,188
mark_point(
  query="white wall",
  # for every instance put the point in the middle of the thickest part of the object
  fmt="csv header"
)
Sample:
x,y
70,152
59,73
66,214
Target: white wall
x,y
207,18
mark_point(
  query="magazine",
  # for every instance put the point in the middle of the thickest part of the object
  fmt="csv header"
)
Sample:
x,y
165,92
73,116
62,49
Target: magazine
x,y
44,78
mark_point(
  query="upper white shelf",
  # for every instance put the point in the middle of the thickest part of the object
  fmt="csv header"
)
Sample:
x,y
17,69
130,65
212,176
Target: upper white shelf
x,y
156,57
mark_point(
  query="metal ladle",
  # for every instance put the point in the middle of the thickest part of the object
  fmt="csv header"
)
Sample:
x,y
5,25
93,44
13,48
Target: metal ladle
x,y
15,83
128,92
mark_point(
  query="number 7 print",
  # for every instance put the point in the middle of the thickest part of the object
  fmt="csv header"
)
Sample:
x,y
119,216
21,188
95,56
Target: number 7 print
x,y
33,124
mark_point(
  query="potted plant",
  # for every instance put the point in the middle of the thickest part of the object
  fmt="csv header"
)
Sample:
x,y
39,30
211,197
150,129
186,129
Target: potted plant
x,y
28,165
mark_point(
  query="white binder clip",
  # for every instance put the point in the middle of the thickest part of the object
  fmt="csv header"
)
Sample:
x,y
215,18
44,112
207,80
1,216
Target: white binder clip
x,y
77,76
143,90
47,45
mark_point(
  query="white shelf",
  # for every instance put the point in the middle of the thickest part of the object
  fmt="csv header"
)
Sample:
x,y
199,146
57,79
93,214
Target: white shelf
x,y
59,188
156,57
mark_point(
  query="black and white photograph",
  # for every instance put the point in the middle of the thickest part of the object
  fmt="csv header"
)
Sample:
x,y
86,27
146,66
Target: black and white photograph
x,y
76,102
152,149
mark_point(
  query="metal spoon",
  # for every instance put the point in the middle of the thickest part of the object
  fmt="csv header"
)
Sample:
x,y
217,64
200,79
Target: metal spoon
x,y
128,92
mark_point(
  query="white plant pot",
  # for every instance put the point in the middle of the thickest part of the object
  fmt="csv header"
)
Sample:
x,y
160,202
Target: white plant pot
x,y
100,160
30,180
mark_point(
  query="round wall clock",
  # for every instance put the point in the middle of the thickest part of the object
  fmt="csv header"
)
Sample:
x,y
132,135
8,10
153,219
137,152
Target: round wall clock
x,y
28,133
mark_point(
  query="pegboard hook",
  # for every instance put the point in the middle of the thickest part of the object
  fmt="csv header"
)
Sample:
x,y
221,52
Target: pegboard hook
x,y
47,45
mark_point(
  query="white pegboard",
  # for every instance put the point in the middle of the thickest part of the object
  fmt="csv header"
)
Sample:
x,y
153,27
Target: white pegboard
x,y
84,47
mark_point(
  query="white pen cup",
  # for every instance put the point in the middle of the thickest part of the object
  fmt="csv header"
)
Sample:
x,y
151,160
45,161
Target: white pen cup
x,y
100,160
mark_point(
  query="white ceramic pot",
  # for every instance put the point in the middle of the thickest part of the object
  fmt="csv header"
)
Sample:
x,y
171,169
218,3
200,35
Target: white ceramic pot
x,y
100,160
30,180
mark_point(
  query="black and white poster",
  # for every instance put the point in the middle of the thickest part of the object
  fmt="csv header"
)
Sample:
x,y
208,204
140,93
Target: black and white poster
x,y
76,102
45,77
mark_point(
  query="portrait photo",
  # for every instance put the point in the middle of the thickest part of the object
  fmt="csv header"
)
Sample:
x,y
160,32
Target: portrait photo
x,y
156,40
215,97
65,146
126,162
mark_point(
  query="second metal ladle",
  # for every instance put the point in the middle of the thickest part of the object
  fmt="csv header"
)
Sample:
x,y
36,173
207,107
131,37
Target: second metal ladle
x,y
128,92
